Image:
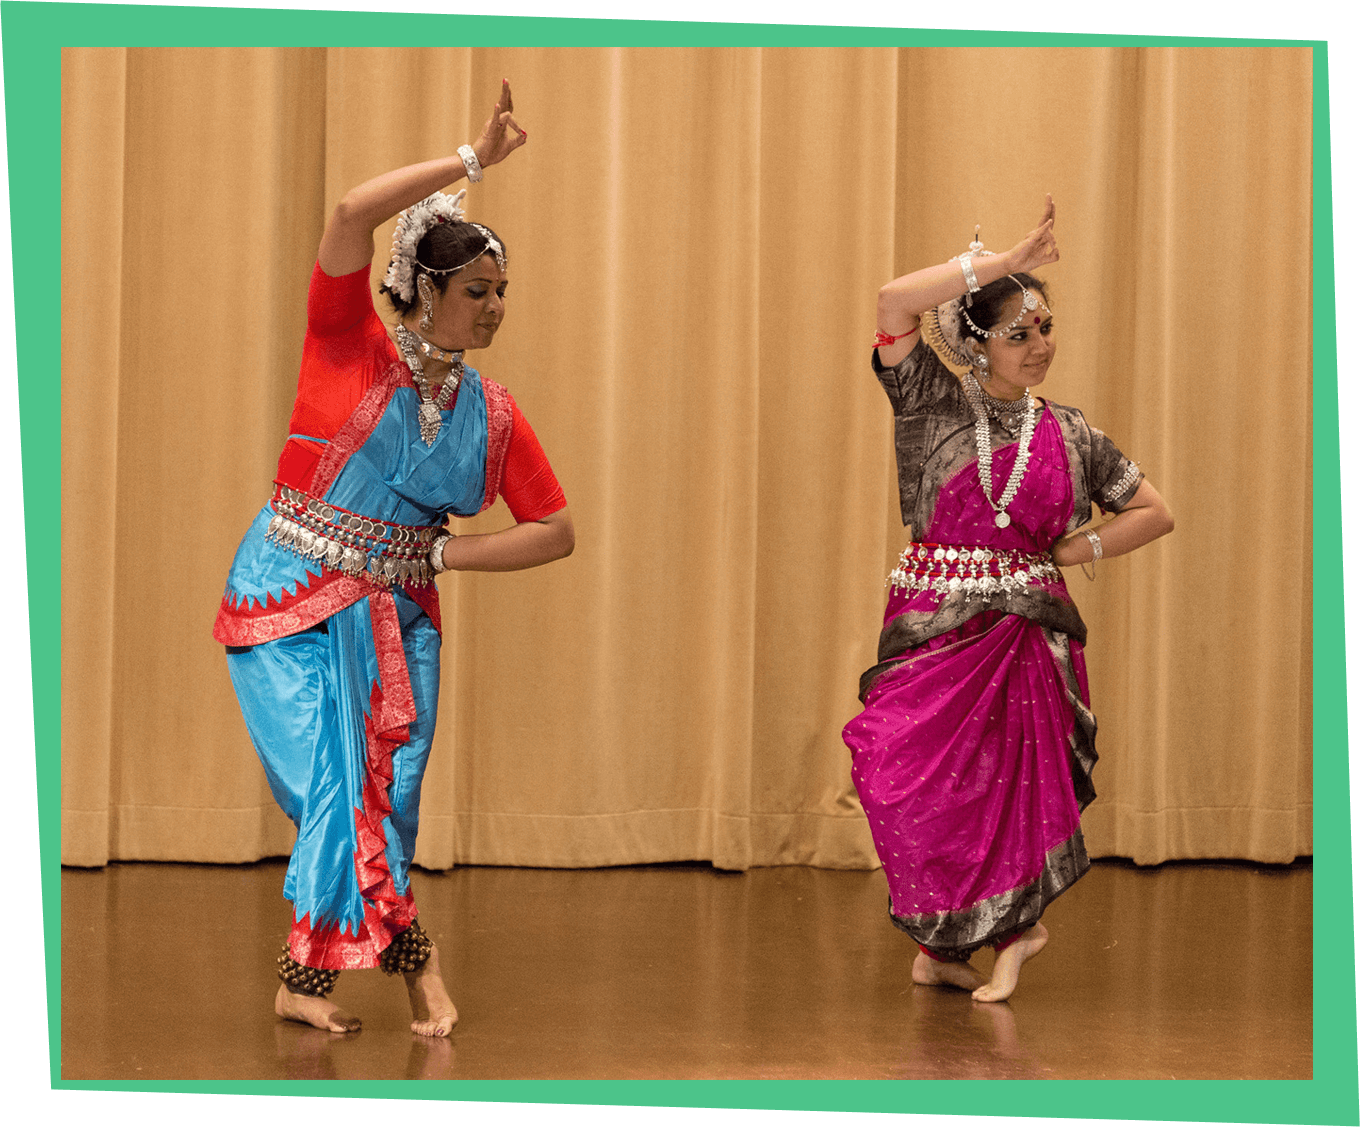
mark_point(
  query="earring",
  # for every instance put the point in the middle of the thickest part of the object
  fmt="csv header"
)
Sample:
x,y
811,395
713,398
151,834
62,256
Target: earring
x,y
981,362
426,292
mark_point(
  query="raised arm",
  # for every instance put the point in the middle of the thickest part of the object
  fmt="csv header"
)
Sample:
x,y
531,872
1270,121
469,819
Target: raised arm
x,y
902,301
347,244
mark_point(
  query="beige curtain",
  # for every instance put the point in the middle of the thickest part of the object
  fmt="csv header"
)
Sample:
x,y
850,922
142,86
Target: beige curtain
x,y
696,238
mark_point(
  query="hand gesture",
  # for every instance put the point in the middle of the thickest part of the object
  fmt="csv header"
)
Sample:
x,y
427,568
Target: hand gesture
x,y
1039,247
502,135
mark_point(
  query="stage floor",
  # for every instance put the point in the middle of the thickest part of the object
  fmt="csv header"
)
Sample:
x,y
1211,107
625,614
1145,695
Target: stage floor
x,y
677,971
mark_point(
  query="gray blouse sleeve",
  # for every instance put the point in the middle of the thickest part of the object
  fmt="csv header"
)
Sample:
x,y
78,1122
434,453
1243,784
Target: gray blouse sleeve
x,y
1112,479
919,383
927,401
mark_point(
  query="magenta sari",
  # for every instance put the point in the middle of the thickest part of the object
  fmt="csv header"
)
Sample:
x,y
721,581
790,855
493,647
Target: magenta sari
x,y
973,754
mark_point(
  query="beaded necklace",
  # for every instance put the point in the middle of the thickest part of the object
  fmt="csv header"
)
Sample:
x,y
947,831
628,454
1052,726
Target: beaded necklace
x,y
983,432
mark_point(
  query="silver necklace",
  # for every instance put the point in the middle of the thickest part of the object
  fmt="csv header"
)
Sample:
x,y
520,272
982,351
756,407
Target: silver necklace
x,y
1004,408
430,405
433,351
1009,415
984,445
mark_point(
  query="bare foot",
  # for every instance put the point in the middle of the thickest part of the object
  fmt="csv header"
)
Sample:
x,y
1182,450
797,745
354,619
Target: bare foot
x,y
320,1012
931,972
431,1006
1006,970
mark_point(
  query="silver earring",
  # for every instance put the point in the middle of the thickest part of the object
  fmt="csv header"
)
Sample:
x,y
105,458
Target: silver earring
x,y
427,300
983,373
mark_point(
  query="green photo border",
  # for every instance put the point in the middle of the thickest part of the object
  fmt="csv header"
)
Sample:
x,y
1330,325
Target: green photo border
x,y
33,36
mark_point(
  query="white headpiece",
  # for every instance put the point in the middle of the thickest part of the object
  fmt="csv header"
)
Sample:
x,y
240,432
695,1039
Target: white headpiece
x,y
412,226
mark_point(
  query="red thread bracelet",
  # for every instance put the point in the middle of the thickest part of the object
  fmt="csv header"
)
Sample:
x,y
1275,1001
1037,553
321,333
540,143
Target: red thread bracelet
x,y
881,338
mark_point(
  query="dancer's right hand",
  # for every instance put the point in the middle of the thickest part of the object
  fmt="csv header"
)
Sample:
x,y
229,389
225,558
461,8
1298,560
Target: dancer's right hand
x,y
501,135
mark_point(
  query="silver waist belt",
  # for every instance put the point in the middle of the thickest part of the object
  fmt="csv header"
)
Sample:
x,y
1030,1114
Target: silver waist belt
x,y
384,552
974,571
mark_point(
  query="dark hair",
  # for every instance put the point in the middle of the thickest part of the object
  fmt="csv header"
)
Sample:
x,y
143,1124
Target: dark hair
x,y
989,301
443,246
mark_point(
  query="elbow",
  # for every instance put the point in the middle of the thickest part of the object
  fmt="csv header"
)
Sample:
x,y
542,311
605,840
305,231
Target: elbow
x,y
349,202
344,211
887,302
1165,524
567,543
896,310
347,212
564,536
1168,521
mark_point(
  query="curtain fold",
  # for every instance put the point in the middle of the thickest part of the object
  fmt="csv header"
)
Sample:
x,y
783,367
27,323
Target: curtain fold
x,y
695,241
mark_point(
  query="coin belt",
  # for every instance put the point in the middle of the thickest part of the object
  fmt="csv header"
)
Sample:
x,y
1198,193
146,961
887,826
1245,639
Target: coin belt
x,y
381,551
974,571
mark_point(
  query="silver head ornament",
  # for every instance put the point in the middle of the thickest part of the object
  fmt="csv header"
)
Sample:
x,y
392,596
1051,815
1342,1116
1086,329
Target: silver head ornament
x,y
943,326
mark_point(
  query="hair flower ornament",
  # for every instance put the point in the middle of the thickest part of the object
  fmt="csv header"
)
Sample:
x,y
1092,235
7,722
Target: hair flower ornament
x,y
412,224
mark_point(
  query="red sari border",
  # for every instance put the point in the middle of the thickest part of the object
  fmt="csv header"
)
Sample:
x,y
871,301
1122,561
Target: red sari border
x,y
326,595
499,421
357,429
386,913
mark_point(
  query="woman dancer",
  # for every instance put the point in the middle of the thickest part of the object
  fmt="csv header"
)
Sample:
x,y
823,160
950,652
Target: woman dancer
x,y
974,751
330,617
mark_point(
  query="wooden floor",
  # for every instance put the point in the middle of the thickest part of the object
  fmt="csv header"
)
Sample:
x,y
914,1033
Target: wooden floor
x,y
1182,971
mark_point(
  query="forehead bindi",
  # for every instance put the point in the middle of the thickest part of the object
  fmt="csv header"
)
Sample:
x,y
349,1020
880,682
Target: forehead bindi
x,y
491,278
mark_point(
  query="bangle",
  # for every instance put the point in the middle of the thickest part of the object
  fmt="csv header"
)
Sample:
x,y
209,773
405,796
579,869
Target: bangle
x,y
437,553
1096,553
470,162
966,261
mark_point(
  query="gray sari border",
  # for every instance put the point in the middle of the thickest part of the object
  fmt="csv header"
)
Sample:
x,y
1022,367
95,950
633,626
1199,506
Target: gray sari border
x,y
1083,721
958,934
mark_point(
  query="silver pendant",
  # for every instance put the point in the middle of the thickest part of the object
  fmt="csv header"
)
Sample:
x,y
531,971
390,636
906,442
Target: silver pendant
x,y
1002,519
429,423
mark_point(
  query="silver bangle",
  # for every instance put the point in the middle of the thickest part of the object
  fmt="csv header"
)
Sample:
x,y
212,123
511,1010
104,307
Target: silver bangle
x,y
437,553
470,162
966,261
1096,553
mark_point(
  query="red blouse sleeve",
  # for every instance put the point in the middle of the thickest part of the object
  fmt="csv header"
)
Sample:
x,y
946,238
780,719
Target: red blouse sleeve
x,y
528,484
346,348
